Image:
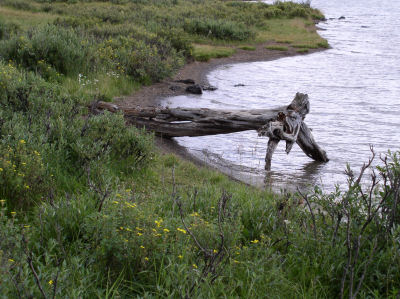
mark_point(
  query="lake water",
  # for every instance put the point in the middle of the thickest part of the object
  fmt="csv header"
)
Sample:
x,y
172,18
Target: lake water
x,y
354,90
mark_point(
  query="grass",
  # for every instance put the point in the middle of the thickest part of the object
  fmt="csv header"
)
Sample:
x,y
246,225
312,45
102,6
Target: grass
x,y
277,48
26,19
89,205
302,51
206,52
247,48
291,31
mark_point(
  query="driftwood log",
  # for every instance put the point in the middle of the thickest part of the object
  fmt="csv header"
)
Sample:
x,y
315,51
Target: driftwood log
x,y
284,123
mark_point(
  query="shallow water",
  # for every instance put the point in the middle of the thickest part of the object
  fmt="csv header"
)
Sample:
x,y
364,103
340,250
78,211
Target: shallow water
x,y
354,90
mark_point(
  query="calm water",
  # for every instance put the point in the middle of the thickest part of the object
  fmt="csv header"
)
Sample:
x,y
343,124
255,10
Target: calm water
x,y
354,90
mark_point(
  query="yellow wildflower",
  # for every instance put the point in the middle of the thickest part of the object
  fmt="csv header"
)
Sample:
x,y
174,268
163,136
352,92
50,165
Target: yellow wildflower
x,y
215,250
195,266
166,230
146,258
141,246
13,213
11,260
180,256
22,141
139,234
181,230
254,241
50,282
1,169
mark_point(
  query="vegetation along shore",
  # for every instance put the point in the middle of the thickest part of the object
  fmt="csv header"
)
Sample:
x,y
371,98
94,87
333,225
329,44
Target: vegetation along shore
x,y
90,207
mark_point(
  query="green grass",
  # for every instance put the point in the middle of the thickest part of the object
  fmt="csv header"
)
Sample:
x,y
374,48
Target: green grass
x,y
277,48
206,52
291,31
247,48
97,211
302,51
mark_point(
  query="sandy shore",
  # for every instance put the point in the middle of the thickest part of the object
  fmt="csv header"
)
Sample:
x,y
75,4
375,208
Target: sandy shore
x,y
153,95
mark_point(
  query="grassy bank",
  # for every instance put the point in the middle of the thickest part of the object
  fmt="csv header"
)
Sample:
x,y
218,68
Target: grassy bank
x,y
89,208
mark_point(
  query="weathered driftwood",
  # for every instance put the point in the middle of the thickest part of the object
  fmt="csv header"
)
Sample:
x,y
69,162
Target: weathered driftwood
x,y
284,123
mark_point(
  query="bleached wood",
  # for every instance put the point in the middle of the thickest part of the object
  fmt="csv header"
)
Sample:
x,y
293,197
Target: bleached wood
x,y
283,123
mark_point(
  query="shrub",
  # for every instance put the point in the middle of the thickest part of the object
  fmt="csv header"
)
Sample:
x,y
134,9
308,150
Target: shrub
x,y
42,126
220,29
7,29
23,176
105,138
60,48
145,61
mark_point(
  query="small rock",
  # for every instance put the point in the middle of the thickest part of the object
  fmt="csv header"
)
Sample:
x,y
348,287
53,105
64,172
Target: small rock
x,y
175,87
209,87
195,89
185,81
239,85
342,18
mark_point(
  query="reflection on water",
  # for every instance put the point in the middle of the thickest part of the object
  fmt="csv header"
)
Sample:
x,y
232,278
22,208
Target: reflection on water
x,y
354,90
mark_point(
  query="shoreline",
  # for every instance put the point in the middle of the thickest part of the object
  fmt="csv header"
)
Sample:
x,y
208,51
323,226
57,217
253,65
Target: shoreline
x,y
153,95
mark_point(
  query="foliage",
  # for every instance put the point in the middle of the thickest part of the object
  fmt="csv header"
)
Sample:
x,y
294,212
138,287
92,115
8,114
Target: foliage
x,y
88,209
49,47
219,29
41,125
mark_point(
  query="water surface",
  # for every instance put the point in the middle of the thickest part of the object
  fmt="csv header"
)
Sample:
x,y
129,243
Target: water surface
x,y
354,90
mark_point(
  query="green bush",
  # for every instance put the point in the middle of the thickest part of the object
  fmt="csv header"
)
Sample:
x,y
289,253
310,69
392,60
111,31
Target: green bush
x,y
59,48
7,29
42,127
220,29
107,137
147,62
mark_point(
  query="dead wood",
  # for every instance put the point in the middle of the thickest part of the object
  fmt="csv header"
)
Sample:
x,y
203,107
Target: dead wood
x,y
283,123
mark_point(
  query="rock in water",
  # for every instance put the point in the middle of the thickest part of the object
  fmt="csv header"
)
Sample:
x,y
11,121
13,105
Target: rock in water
x,y
195,89
209,87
